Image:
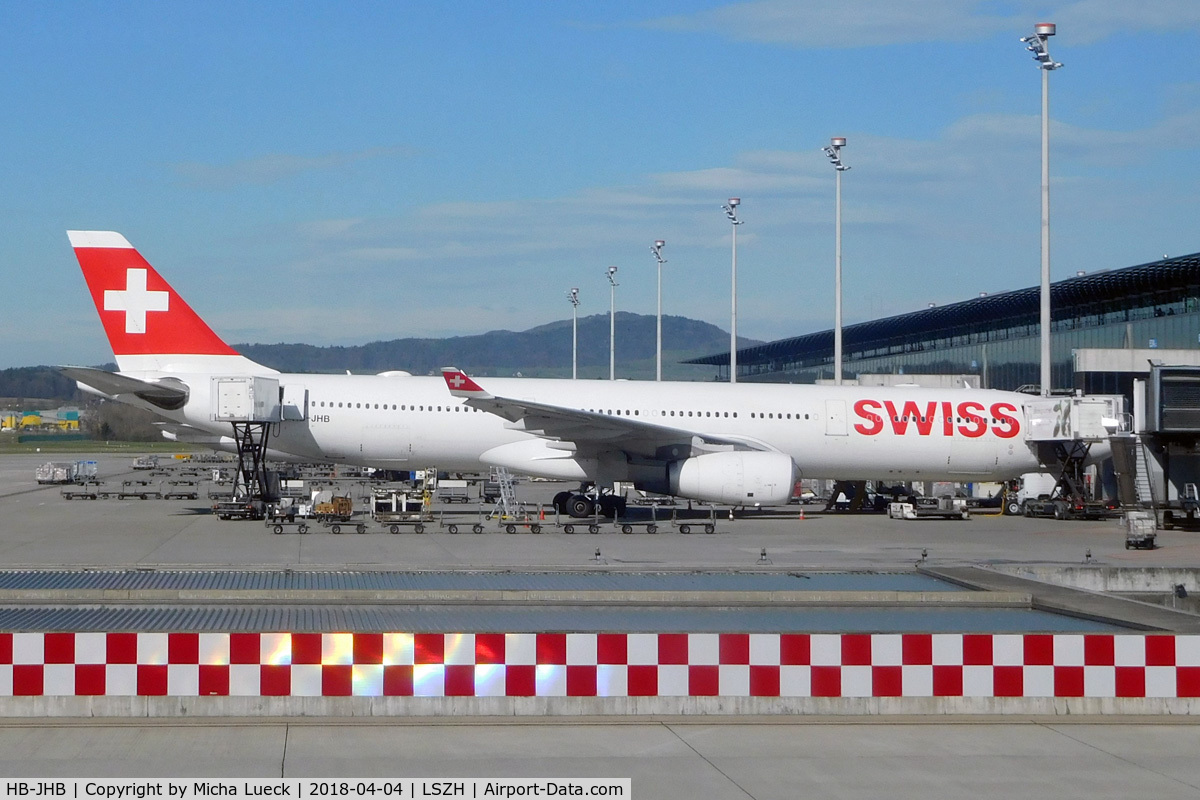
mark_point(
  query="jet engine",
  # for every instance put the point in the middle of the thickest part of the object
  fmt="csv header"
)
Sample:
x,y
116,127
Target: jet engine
x,y
736,478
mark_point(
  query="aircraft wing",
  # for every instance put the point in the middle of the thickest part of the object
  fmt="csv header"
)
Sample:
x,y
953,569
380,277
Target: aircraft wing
x,y
591,432
169,393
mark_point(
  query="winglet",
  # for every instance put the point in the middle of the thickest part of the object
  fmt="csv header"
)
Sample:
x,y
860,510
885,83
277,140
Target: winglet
x,y
461,385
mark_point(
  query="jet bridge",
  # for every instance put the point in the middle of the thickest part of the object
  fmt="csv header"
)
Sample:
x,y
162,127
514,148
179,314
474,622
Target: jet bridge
x,y
1162,460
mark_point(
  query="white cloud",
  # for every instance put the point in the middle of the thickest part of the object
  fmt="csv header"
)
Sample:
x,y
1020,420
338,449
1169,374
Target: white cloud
x,y
867,23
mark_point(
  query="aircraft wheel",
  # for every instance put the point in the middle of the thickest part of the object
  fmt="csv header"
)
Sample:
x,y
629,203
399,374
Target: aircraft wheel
x,y
685,528
626,529
476,528
1012,508
418,528
568,528
452,528
580,506
560,502
278,529
593,528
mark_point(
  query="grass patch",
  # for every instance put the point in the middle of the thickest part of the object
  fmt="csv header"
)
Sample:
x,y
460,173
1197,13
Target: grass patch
x,y
9,446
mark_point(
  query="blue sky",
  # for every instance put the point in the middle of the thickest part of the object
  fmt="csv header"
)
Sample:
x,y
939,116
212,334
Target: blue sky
x,y
342,172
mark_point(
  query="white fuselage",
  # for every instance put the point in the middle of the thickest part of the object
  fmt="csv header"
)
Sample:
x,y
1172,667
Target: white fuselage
x,y
890,433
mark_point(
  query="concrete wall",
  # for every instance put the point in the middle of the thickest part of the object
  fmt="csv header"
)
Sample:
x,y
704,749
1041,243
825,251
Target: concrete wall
x,y
1111,579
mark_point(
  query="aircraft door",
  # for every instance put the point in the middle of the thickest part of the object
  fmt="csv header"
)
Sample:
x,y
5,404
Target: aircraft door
x,y
386,444
293,401
973,456
835,418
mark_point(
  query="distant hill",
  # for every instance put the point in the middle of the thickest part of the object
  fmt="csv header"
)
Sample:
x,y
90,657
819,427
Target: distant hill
x,y
29,383
544,351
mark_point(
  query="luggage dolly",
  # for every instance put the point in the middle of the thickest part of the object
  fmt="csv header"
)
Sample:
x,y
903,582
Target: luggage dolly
x,y
628,526
283,523
476,527
593,522
84,491
533,523
419,524
686,527
336,524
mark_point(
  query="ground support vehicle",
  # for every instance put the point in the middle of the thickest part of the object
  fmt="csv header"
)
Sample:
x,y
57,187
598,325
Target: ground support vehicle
x,y
1189,505
942,508
452,491
1064,508
66,472
641,498
240,508
142,490
83,491
1140,532
145,462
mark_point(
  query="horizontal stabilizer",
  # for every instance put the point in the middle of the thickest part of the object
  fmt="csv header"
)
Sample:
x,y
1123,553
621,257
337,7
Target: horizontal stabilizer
x,y
167,393
178,432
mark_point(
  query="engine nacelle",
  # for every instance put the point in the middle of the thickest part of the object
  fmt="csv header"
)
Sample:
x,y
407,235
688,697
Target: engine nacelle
x,y
738,478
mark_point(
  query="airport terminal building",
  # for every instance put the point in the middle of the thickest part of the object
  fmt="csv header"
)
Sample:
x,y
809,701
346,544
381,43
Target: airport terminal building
x,y
1138,309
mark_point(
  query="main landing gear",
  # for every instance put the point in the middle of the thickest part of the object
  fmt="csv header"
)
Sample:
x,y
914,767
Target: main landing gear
x,y
585,503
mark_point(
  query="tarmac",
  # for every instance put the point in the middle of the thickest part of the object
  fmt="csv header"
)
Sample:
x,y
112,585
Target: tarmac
x,y
40,530
736,757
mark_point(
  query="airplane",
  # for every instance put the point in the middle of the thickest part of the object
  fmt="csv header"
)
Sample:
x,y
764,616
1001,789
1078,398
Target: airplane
x,y
741,444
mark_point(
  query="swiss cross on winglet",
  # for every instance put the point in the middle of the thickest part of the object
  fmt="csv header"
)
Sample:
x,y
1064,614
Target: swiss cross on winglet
x,y
461,385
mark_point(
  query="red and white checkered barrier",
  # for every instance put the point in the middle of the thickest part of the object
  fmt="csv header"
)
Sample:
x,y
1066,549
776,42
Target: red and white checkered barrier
x,y
599,665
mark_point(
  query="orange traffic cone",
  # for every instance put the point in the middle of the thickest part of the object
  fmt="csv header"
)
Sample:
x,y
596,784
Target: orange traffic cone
x,y
541,512
802,514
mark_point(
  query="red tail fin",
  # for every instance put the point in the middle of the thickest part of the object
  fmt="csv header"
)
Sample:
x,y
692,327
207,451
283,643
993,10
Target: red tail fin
x,y
141,313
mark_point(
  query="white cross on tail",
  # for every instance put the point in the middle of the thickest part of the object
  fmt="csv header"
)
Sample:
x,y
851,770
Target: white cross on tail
x,y
135,300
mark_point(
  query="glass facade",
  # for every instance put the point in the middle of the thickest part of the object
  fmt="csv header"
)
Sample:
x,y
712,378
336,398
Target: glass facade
x,y
997,338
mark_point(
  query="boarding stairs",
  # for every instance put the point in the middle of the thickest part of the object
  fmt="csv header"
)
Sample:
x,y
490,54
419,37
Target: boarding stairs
x,y
1142,483
506,506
